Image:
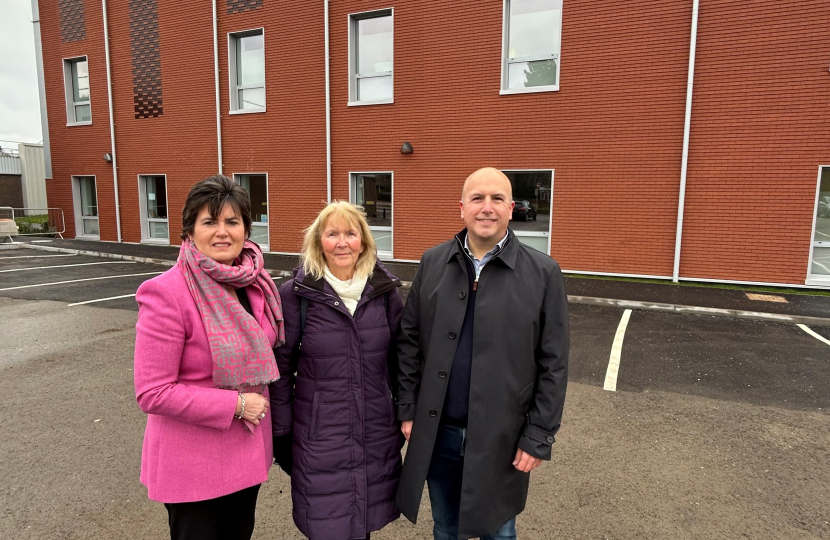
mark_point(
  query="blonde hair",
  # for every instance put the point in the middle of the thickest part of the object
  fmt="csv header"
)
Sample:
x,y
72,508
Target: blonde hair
x,y
314,260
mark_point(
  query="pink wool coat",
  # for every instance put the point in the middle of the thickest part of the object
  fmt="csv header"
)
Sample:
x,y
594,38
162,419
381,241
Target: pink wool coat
x,y
194,449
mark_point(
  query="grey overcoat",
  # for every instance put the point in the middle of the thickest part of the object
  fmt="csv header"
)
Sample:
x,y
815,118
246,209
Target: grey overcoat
x,y
518,379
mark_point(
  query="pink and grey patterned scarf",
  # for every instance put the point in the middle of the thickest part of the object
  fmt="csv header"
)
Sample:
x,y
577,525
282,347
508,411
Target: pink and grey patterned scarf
x,y
242,356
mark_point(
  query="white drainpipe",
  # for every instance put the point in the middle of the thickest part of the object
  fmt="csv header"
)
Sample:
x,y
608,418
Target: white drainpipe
x,y
216,83
328,104
112,123
686,130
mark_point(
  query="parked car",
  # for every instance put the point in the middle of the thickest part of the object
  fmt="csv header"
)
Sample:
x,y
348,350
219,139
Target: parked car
x,y
523,211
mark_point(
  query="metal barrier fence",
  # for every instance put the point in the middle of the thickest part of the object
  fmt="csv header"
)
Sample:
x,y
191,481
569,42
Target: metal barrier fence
x,y
31,222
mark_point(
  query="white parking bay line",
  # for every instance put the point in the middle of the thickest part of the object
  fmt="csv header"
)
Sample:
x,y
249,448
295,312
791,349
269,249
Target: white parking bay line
x,y
616,351
815,335
65,266
37,256
78,281
101,300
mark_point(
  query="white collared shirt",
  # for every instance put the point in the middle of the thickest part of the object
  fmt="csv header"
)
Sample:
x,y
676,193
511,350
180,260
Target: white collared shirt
x,y
478,265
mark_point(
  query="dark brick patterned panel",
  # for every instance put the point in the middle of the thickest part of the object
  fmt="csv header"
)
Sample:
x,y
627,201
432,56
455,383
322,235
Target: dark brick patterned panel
x,y
146,58
239,6
73,20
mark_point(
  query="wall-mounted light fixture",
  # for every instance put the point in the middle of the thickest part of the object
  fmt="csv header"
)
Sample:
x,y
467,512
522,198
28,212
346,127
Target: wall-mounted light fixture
x,y
108,157
406,148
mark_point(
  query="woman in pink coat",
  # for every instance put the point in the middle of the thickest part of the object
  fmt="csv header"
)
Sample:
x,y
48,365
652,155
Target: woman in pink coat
x,y
203,359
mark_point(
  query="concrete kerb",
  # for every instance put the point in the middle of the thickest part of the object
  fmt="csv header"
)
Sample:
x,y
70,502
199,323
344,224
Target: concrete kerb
x,y
608,302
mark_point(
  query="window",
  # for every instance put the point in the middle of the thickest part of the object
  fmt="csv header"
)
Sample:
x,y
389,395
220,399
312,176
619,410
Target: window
x,y
532,36
152,191
533,195
373,191
247,71
86,207
371,57
257,187
819,273
76,83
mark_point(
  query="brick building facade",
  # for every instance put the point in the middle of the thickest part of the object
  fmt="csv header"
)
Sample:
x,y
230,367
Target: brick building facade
x,y
603,144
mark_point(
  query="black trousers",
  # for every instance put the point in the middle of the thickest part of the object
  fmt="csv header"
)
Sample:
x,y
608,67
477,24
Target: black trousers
x,y
230,517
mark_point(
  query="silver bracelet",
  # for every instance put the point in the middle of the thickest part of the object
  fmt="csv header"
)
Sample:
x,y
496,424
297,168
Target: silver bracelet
x,y
242,410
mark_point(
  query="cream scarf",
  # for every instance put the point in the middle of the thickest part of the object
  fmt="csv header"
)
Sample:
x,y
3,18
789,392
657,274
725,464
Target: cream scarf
x,y
349,291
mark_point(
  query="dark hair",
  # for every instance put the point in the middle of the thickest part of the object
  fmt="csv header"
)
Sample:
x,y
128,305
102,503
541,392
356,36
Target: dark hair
x,y
215,192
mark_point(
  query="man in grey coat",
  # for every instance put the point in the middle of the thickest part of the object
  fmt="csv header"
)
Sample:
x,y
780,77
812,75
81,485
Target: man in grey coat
x,y
483,367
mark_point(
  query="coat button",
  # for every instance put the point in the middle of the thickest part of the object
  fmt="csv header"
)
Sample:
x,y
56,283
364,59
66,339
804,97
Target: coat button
x,y
296,288
452,335
337,303
442,374
433,413
550,440
462,295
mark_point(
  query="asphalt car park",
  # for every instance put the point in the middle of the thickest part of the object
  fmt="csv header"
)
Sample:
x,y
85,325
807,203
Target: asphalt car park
x,y
715,427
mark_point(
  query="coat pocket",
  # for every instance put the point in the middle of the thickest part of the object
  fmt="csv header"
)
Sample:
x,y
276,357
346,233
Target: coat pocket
x,y
315,408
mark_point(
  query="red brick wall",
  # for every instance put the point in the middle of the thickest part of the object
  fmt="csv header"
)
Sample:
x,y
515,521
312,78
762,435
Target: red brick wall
x,y
760,130
613,132
288,140
77,150
180,143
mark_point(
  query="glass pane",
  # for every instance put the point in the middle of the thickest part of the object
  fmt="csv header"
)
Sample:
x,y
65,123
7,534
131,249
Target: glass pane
x,y
383,240
156,197
80,81
374,88
534,27
82,113
374,194
822,232
90,226
820,265
533,195
158,229
257,187
530,74
252,98
259,234
374,44
539,243
250,60
89,199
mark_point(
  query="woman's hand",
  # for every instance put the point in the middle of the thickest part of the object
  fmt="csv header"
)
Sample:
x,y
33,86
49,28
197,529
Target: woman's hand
x,y
255,407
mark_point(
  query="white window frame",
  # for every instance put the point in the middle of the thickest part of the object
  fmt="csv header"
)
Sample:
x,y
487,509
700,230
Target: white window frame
x,y
76,202
266,226
69,95
353,63
145,218
547,235
820,280
233,43
382,255
505,61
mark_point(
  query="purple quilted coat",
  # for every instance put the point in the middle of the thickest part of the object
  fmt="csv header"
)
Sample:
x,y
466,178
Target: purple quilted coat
x,y
347,443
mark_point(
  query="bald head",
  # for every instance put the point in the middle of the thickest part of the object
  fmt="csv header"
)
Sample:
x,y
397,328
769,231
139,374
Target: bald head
x,y
486,208
488,177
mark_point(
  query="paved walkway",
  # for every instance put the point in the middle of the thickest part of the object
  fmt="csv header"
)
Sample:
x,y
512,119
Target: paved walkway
x,y
803,308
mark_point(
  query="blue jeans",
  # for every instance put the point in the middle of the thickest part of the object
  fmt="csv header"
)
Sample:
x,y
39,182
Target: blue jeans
x,y
444,482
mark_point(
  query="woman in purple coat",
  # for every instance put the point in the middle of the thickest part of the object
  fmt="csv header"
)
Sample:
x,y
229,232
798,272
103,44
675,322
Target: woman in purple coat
x,y
334,399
